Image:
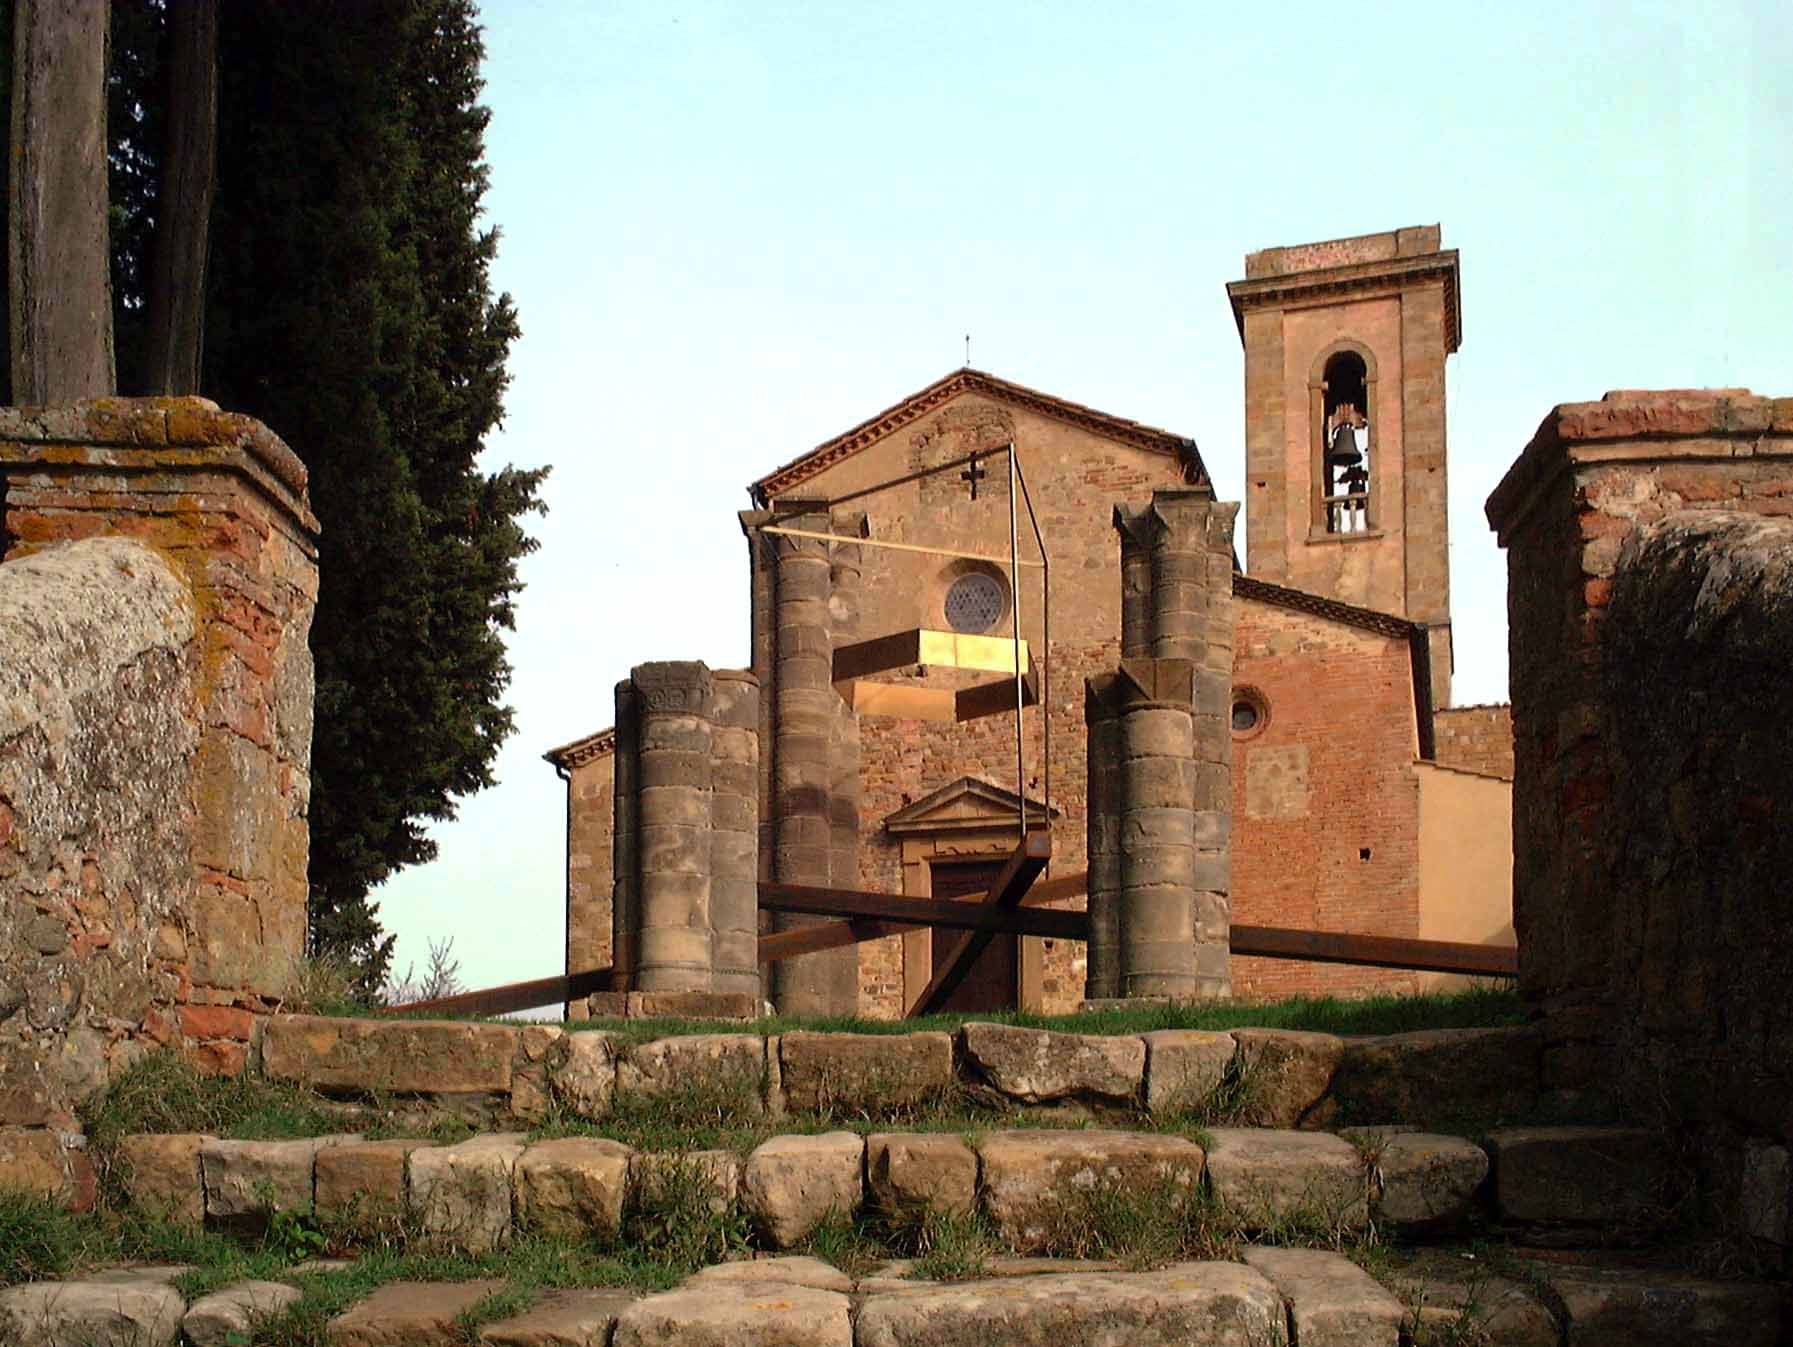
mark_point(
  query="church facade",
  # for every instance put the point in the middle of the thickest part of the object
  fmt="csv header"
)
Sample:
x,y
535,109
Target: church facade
x,y
1361,800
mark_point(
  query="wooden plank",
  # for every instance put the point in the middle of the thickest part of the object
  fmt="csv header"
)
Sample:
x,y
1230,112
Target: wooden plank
x,y
909,703
960,650
1376,951
943,649
1051,890
1007,892
784,532
826,935
992,699
512,996
881,654
955,914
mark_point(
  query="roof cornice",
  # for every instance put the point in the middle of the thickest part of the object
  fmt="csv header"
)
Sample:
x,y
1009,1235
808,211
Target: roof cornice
x,y
582,751
1362,279
786,478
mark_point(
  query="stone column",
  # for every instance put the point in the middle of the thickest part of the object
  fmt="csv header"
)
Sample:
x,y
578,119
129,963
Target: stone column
x,y
1103,823
843,775
674,842
734,835
1160,748
625,865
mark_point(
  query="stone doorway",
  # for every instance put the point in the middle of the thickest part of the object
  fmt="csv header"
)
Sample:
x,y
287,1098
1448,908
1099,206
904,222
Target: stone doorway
x,y
994,981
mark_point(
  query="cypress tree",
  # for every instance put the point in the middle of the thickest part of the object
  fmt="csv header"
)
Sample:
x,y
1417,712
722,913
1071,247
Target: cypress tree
x,y
350,308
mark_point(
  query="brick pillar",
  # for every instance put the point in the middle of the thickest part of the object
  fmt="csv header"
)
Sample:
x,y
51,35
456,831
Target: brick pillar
x,y
1161,757
734,836
1587,908
221,501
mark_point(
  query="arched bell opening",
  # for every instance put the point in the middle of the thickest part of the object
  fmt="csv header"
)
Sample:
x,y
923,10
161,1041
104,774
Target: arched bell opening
x,y
1345,456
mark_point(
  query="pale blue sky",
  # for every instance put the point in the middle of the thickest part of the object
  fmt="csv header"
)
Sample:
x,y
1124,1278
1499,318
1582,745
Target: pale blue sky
x,y
733,231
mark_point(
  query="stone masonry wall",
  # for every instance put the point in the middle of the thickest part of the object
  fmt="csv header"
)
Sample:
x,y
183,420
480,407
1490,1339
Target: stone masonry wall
x,y
155,736
1475,739
591,806
1649,675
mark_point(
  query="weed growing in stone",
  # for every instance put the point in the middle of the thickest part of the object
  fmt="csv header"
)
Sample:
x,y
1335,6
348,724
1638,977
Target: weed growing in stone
x,y
680,1215
37,1238
952,1246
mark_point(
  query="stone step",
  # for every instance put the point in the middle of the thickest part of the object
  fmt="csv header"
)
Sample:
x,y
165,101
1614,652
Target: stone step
x,y
1309,1297
513,1073
474,1193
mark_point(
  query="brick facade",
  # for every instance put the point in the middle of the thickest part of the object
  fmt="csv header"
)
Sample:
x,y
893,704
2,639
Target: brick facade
x,y
1325,802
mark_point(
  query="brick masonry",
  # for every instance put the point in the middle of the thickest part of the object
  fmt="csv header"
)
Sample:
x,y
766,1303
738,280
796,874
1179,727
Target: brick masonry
x,y
1476,739
1650,886
153,833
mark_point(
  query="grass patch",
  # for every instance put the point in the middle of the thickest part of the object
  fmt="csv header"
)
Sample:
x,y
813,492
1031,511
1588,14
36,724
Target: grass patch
x,y
37,1238
1483,1005
163,1092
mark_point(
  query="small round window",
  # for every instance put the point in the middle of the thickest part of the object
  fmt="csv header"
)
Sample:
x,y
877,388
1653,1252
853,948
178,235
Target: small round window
x,y
1250,712
974,603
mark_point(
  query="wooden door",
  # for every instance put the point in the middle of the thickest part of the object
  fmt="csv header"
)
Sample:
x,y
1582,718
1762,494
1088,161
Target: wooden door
x,y
992,983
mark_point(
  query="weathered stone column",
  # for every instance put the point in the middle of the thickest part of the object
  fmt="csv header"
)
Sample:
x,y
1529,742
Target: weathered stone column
x,y
1161,758
805,594
734,835
843,775
1103,825
625,838
675,838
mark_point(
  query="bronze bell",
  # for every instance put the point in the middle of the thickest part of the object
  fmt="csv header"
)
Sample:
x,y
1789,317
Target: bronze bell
x,y
1355,478
1344,451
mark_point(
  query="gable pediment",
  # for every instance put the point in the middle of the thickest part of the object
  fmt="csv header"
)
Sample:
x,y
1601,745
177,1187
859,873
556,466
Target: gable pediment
x,y
969,804
792,476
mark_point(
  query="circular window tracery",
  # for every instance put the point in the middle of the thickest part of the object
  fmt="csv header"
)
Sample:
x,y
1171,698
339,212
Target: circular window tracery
x,y
975,603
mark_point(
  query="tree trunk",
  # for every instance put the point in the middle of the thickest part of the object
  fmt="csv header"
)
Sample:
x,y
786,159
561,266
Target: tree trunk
x,y
61,282
175,333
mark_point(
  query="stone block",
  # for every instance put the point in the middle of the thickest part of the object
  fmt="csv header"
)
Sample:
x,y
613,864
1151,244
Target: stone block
x,y
1578,1175
913,1171
789,1270
33,1162
747,1315
1184,1067
402,1056
792,1184
461,1194
364,1178
1332,1301
1035,1183
409,1314
1439,1073
91,1313
584,1078
561,1319
251,1178
160,1174
1763,1191
730,1068
1625,1307
1034,1066
1222,1304
1426,1179
1269,1178
863,1074
1286,1074
573,1186
229,1317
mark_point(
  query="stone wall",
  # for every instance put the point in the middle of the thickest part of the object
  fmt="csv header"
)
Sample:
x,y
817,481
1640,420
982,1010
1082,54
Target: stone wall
x,y
1649,592
588,766
1475,738
155,736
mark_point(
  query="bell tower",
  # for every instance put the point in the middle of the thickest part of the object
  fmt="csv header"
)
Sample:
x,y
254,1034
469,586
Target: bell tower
x,y
1345,344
